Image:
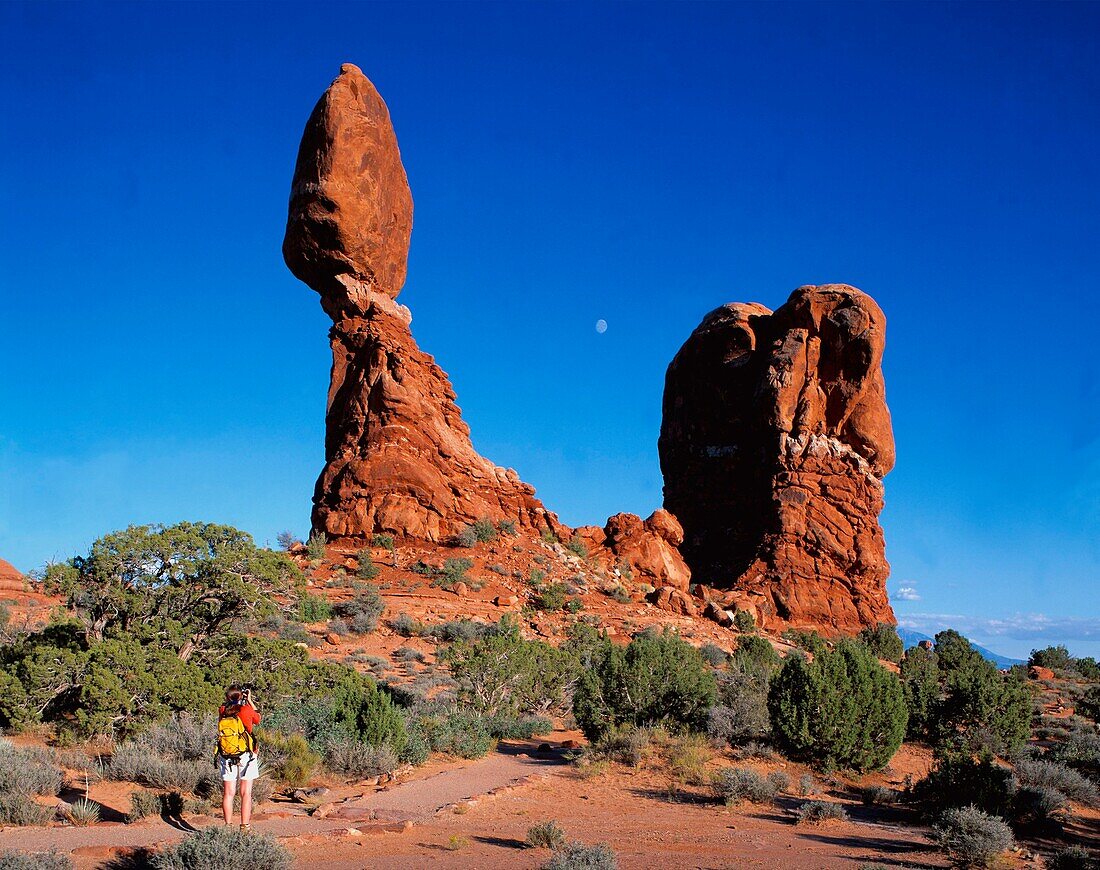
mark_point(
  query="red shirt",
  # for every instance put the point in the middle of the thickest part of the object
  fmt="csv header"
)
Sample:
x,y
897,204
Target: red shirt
x,y
247,714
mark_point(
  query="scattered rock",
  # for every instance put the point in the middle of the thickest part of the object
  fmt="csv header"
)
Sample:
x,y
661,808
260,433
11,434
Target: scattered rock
x,y
506,600
333,639
460,589
674,601
774,441
1038,672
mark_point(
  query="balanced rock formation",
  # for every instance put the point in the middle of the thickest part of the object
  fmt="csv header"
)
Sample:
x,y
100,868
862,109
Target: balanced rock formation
x,y
398,456
774,442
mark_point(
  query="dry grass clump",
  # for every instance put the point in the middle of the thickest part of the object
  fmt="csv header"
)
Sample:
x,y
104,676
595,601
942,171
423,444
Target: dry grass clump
x,y
819,812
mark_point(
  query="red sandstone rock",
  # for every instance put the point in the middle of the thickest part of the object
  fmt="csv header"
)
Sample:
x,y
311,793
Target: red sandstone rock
x,y
674,601
649,548
774,442
10,578
1038,672
398,455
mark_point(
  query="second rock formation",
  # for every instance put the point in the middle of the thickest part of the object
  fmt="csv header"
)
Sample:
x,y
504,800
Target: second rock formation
x,y
774,442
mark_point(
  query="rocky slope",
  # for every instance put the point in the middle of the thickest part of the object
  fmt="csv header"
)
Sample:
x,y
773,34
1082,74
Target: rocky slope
x,y
774,442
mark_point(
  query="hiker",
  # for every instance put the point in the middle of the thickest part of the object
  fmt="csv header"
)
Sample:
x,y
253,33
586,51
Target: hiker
x,y
237,759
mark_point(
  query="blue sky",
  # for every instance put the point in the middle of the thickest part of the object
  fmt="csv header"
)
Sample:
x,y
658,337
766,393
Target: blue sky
x,y
636,163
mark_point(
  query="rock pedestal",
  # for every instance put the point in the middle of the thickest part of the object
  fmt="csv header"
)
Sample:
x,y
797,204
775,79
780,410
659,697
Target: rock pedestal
x,y
398,457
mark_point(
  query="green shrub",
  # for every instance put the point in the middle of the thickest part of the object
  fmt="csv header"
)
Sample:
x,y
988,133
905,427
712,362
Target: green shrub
x,y
12,860
288,756
629,745
577,856
550,598
618,593
878,795
1057,658
1088,704
315,546
313,608
972,837
507,527
379,722
883,641
737,784
518,728
367,570
755,652
484,530
920,676
545,835
225,848
577,547
1072,858
501,672
406,626
819,812
743,622
384,542
28,771
1051,774
1080,750
441,728
655,680
807,785
1038,804
713,655
982,709
83,812
142,805
18,809
741,713
466,538
780,779
811,641
454,571
958,780
843,709
459,629
358,759
363,609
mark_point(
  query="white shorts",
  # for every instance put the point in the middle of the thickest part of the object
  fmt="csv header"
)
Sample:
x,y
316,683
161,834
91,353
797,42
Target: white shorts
x,y
247,768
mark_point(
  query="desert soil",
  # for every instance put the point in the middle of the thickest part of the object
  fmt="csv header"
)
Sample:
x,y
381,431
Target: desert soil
x,y
444,815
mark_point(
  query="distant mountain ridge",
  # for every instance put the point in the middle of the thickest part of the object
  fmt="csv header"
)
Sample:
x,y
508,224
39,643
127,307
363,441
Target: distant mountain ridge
x,y
911,637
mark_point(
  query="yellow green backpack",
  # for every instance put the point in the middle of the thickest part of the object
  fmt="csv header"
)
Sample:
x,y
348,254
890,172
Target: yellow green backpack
x,y
233,738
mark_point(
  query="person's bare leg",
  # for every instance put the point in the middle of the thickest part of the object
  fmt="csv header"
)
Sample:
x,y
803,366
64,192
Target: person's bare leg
x,y
229,789
246,802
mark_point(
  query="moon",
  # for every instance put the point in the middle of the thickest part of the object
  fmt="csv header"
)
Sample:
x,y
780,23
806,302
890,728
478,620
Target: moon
x,y
601,326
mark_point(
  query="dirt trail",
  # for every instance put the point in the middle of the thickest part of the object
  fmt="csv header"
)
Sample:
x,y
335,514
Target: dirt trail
x,y
413,800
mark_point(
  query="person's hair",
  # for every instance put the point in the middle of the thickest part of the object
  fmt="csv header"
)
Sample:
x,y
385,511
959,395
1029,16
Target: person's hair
x,y
234,695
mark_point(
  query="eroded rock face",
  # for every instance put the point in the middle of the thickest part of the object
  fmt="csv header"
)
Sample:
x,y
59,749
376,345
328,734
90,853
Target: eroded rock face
x,y
650,548
398,455
10,578
774,442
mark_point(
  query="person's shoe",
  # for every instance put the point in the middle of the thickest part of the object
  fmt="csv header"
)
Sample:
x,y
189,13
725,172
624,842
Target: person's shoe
x,y
246,829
